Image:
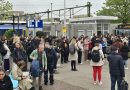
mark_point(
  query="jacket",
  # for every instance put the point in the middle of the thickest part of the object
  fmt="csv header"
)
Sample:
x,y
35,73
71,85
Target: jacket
x,y
51,56
116,65
19,54
6,83
34,55
101,62
124,52
24,84
7,55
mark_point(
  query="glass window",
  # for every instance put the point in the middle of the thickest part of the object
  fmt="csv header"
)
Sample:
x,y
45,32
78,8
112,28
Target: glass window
x,y
99,27
105,26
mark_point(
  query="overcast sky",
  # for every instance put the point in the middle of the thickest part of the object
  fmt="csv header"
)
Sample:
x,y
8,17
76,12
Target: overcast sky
x,y
30,6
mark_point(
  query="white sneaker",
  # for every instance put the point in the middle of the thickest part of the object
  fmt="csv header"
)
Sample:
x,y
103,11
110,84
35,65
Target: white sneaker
x,y
95,82
126,68
81,63
100,83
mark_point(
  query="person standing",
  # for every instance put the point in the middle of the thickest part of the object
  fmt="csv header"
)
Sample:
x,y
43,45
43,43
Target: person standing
x,y
7,55
86,48
80,49
116,67
97,63
40,55
51,56
124,54
73,53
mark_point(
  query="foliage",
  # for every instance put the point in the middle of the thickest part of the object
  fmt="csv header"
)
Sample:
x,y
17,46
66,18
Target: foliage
x,y
5,7
119,8
40,34
9,33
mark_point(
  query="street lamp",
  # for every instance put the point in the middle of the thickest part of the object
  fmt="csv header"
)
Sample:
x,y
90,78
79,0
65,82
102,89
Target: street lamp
x,y
64,33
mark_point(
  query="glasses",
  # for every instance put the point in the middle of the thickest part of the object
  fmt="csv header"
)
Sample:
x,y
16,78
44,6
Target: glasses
x,y
1,74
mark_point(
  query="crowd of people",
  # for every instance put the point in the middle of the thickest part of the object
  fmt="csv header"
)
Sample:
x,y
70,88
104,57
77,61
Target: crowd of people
x,y
44,53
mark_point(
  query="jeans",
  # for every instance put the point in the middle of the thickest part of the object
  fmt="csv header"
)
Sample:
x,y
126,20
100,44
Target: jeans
x,y
125,63
115,79
50,69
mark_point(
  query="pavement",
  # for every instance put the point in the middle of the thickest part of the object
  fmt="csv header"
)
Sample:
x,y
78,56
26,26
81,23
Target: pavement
x,y
81,79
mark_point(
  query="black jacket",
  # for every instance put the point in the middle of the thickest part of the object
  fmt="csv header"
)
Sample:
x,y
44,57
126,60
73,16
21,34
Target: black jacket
x,y
19,54
124,52
6,83
116,65
51,56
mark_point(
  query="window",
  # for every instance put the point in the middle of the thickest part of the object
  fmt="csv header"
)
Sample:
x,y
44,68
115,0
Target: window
x,y
99,27
105,26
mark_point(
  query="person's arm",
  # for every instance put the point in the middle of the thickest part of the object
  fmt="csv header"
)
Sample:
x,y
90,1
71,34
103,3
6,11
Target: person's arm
x,y
102,55
10,84
15,74
32,55
121,66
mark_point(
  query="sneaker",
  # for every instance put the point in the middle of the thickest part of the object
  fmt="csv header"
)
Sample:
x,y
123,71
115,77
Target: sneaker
x,y
95,82
126,68
81,63
100,83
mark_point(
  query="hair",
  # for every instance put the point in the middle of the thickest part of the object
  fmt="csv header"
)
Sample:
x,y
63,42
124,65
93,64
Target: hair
x,y
2,69
73,41
113,48
96,44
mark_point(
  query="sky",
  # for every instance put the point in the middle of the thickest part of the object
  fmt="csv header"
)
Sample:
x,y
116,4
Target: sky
x,y
30,6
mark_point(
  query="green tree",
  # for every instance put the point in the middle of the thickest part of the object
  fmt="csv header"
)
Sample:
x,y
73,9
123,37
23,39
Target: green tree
x,y
5,7
119,8
9,33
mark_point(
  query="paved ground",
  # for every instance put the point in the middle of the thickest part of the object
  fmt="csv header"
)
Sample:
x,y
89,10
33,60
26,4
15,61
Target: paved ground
x,y
81,79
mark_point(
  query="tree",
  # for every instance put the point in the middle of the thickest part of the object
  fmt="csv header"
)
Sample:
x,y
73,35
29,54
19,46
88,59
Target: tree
x,y
5,7
9,33
119,8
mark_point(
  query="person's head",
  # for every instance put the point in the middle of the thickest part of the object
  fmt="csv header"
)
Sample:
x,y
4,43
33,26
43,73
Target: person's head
x,y
41,47
97,44
114,49
21,64
17,45
47,45
2,73
73,41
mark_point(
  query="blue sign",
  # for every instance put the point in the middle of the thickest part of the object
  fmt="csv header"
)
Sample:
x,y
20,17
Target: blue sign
x,y
35,24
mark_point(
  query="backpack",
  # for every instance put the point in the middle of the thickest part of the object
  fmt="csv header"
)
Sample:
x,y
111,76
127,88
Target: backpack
x,y
3,51
35,68
95,56
72,49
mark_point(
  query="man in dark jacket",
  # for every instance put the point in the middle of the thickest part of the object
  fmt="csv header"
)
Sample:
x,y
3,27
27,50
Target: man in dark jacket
x,y
5,81
116,67
51,55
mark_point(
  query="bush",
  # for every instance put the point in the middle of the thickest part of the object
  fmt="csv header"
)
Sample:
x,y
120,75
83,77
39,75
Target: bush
x,y
9,33
40,34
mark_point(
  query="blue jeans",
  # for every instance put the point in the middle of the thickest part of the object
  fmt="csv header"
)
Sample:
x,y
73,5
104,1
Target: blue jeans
x,y
125,63
115,79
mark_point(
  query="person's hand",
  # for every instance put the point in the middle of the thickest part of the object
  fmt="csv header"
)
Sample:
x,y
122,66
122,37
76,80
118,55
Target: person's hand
x,y
123,78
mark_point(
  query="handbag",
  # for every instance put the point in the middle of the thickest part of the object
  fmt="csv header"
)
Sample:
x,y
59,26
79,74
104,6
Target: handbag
x,y
124,85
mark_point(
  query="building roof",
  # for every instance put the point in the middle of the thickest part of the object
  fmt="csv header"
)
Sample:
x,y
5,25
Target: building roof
x,y
94,18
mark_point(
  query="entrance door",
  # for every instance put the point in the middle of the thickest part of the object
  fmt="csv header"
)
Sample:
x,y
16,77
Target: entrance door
x,y
80,32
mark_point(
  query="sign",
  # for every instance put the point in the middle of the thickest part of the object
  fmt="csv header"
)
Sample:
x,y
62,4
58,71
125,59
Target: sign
x,y
64,29
35,24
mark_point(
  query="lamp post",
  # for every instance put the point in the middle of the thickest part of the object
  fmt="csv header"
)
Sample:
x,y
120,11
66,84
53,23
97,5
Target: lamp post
x,y
64,33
